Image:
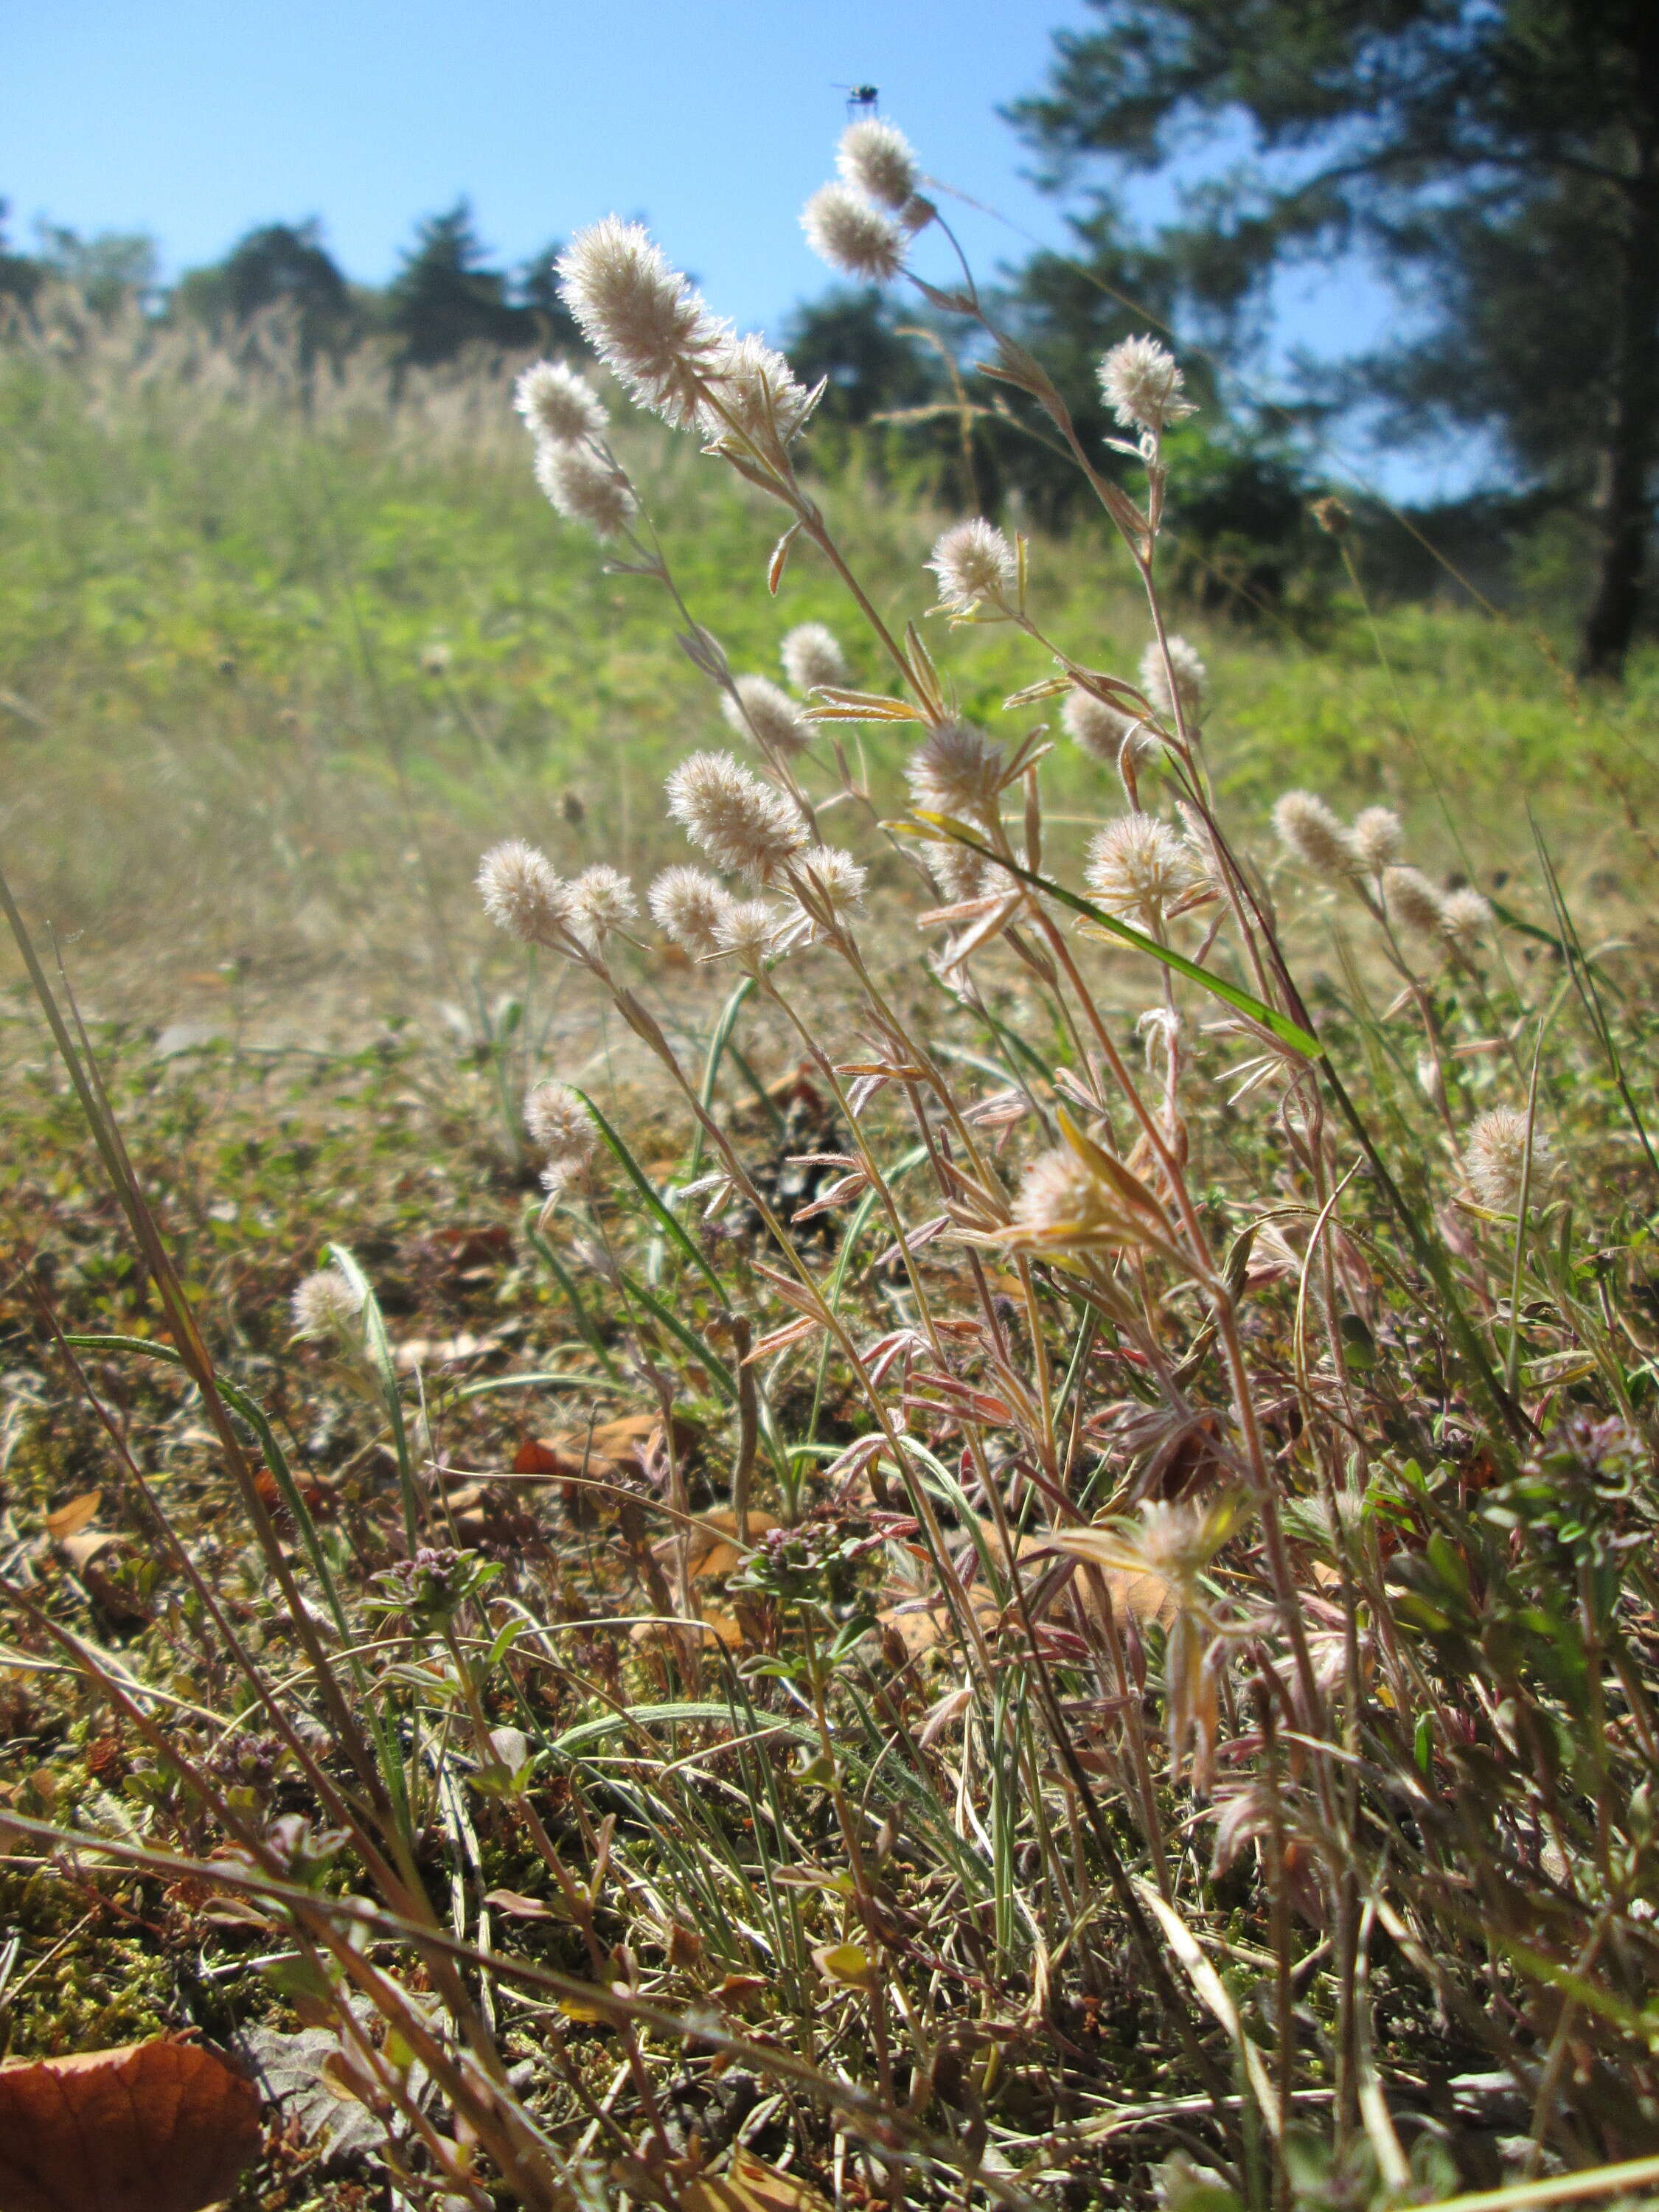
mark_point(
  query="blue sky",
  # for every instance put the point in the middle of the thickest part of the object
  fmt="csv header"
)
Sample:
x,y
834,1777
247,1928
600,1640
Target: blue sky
x,y
194,120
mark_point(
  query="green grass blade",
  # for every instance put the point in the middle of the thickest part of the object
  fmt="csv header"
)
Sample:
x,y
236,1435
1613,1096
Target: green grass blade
x,y
717,1045
583,1319
1578,967
378,1346
721,1374
699,1713
1281,1026
251,1411
254,1413
674,1230
491,1384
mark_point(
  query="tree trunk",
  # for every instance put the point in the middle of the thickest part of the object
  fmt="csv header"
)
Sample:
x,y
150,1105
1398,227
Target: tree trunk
x,y
1627,458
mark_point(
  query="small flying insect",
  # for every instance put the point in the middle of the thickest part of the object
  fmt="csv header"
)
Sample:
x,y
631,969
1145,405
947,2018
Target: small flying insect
x,y
861,99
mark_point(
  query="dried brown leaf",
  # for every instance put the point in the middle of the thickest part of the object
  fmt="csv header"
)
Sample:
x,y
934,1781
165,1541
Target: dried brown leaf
x,y
748,2184
151,2127
69,1520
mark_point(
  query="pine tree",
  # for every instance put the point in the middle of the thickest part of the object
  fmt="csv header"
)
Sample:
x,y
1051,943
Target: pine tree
x,y
1500,157
849,340
556,330
444,297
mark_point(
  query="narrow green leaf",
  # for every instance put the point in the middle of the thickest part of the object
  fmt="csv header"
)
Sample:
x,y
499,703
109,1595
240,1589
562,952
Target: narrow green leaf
x,y
642,1183
493,1383
254,1413
378,1345
717,1045
641,1716
676,1329
1281,1025
561,1275
1519,923
250,1410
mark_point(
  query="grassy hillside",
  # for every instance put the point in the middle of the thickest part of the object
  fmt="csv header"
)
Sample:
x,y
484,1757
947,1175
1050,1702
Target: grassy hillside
x,y
226,737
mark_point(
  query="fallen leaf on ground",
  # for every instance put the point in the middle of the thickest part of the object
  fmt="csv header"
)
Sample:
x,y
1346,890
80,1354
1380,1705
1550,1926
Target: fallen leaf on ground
x,y
748,2184
69,1520
151,2127
726,1627
1141,1592
630,1440
714,1546
290,2071
665,1635
628,1437
919,1627
557,1460
1146,1596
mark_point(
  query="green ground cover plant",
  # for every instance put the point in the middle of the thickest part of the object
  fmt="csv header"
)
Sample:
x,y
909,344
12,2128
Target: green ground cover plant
x,y
951,1500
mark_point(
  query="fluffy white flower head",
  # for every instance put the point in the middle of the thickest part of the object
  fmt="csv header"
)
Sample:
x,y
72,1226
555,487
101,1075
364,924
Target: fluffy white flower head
x,y
642,317
745,828
1178,1538
1311,834
834,876
602,900
1063,1206
1143,386
877,159
558,403
1378,840
687,904
559,1125
1192,680
762,710
852,236
584,488
325,1304
1101,730
1465,914
747,929
1413,901
758,390
959,872
1495,1160
974,562
557,1177
523,895
811,655
957,771
1138,868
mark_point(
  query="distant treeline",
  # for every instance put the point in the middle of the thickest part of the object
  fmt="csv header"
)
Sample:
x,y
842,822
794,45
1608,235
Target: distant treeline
x,y
1253,527
444,298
